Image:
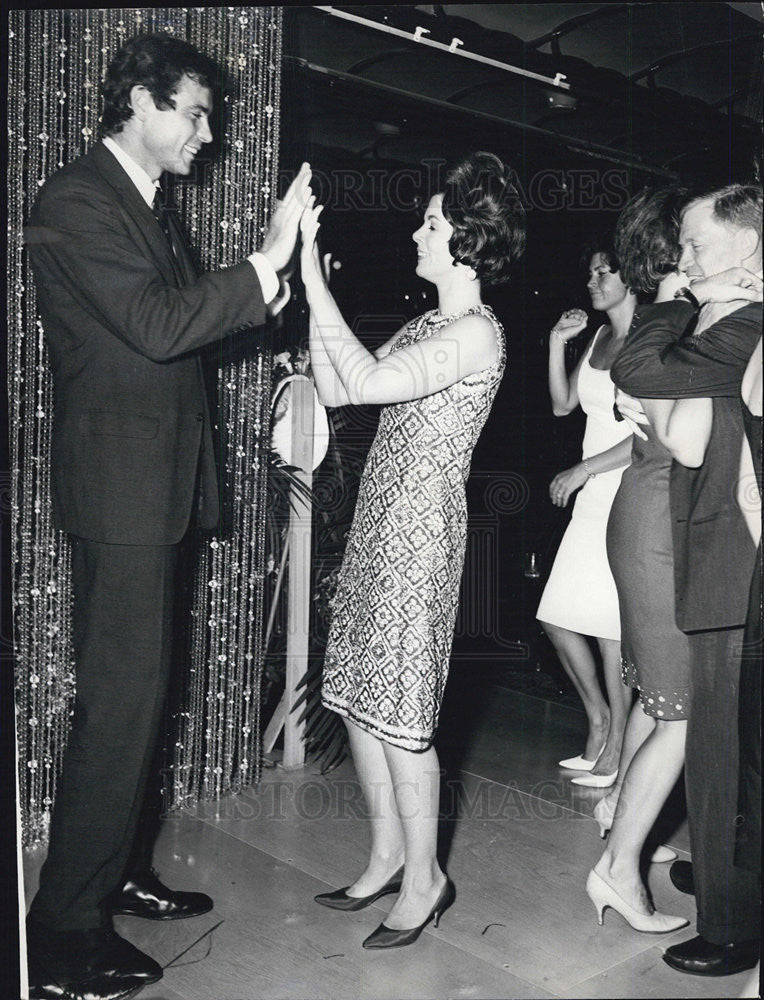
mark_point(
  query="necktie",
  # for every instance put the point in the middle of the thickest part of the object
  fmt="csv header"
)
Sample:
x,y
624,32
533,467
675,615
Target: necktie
x,y
160,211
163,210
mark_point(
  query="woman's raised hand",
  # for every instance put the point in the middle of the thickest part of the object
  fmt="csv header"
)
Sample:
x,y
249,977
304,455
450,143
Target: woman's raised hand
x,y
570,324
310,262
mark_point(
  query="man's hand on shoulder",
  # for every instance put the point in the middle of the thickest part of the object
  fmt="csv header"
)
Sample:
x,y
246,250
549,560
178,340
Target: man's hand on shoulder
x,y
632,412
281,236
728,286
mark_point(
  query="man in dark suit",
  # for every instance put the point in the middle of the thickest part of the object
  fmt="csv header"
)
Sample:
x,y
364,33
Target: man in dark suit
x,y
713,553
132,471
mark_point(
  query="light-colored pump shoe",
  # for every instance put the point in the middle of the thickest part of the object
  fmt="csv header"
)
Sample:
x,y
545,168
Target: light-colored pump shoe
x,y
596,780
602,894
580,763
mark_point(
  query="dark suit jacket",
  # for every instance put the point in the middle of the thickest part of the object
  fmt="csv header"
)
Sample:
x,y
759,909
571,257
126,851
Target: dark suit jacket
x,y
123,318
713,551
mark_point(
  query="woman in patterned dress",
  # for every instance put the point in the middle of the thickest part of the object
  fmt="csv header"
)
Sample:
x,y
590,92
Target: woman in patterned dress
x,y
395,607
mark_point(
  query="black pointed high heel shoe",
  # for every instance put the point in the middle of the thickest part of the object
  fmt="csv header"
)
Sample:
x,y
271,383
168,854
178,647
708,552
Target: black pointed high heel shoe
x,y
388,937
339,899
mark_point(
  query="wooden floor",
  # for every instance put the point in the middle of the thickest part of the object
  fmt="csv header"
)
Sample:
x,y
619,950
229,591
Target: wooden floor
x,y
518,841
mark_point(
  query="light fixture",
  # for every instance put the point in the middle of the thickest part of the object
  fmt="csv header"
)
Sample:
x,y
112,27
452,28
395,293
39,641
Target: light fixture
x,y
559,100
386,128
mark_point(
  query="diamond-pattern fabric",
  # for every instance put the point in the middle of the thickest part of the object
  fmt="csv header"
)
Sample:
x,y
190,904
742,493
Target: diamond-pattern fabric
x,y
395,607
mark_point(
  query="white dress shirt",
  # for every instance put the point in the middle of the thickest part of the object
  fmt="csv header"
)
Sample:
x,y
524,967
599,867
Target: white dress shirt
x,y
266,275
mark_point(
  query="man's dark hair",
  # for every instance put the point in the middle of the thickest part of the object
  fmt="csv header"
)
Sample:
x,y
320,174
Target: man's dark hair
x,y
157,62
482,203
647,237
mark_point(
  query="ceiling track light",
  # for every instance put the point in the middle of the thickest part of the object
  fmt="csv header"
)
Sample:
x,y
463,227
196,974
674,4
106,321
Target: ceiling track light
x,y
559,80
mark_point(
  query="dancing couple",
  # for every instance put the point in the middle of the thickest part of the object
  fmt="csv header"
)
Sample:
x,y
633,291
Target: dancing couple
x,y
132,478
669,542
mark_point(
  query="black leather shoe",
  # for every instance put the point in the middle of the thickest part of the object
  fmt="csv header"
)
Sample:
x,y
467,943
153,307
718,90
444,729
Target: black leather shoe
x,y
682,877
699,957
94,964
143,895
43,986
339,899
389,937
117,957
82,955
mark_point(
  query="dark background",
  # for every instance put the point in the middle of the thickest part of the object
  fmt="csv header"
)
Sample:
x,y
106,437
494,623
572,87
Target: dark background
x,y
360,108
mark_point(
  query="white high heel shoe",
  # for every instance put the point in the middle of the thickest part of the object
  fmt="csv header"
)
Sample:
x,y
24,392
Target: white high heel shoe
x,y
596,780
604,813
602,894
662,855
580,763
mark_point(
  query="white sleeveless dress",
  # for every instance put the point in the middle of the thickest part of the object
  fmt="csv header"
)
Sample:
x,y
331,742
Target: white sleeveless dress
x,y
580,594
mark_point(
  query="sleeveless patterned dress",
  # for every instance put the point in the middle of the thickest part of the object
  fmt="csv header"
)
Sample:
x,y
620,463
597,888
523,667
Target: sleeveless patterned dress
x,y
395,607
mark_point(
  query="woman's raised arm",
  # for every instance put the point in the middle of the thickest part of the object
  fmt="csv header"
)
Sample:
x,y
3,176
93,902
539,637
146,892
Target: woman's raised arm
x,y
466,346
563,388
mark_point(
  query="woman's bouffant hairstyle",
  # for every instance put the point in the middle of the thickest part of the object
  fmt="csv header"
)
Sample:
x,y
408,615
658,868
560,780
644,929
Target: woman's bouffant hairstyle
x,y
647,237
156,62
602,244
481,201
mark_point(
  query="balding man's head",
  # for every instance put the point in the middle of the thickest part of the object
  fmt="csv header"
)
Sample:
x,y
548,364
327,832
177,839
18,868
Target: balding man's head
x,y
722,230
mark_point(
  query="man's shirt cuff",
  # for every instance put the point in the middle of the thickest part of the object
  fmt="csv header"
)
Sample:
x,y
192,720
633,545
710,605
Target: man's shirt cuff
x,y
269,281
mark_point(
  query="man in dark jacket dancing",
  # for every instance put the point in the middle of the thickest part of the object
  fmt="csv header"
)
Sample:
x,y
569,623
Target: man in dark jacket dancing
x,y
124,314
713,558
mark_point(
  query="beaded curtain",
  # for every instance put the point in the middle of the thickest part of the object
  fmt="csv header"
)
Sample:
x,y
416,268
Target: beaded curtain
x,y
57,60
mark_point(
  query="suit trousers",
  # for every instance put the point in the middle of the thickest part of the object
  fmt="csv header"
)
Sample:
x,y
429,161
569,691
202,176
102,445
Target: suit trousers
x,y
727,897
157,798
123,640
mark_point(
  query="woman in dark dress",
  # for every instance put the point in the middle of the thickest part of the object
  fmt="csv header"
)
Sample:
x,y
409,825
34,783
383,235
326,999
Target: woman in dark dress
x,y
654,652
683,428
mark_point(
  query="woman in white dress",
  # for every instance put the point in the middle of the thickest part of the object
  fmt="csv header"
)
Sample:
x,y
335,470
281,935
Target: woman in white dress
x,y
580,597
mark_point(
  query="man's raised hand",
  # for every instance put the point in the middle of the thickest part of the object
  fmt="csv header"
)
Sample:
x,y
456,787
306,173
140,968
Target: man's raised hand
x,y
278,245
